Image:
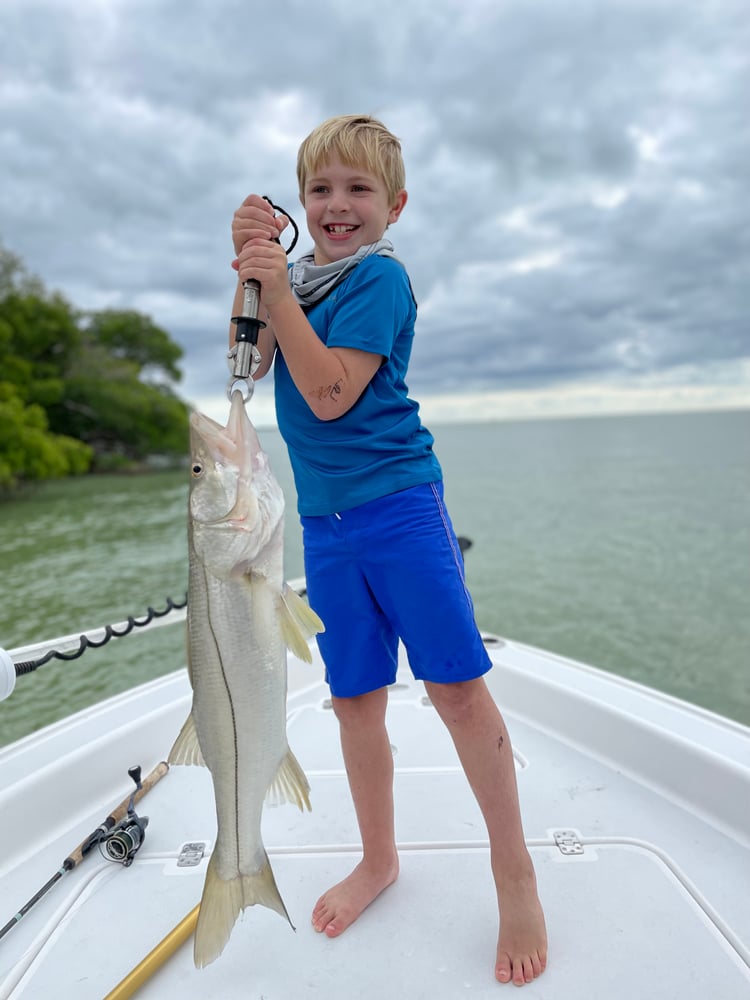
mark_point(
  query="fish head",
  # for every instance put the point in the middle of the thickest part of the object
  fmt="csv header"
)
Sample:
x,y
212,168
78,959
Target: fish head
x,y
236,506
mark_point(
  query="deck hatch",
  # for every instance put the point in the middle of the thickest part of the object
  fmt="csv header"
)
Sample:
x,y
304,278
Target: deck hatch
x,y
628,903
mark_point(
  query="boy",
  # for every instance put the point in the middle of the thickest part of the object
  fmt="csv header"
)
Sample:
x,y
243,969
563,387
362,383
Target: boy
x,y
381,558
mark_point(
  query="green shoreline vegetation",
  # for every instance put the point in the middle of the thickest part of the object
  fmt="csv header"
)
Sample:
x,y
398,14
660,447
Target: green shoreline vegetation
x,y
81,391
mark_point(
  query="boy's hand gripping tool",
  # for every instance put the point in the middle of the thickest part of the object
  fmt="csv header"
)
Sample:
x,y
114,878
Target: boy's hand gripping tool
x,y
244,357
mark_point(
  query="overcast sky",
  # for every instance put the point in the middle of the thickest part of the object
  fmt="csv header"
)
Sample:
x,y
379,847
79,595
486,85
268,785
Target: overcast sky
x,y
578,225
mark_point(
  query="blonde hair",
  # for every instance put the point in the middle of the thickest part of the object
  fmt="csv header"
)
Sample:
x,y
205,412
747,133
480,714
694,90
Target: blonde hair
x,y
358,141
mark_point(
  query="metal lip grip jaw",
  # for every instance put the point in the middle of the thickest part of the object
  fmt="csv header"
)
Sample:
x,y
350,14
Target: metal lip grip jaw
x,y
244,357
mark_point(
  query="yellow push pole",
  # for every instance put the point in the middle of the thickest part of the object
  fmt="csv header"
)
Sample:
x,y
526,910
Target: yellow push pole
x,y
155,958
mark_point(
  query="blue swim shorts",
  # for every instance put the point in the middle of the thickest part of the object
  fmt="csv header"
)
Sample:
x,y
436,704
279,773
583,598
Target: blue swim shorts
x,y
391,569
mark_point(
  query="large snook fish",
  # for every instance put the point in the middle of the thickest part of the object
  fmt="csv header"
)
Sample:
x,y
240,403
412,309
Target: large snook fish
x,y
241,619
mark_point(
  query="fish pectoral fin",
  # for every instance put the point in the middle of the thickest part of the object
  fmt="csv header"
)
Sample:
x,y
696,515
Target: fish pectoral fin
x,y
187,749
298,623
290,784
222,902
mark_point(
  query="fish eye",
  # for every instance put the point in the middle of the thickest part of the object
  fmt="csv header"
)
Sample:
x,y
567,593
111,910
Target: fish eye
x,y
196,470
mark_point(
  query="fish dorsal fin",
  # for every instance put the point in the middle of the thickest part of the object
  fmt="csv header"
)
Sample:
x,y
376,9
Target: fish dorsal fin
x,y
187,749
298,623
290,784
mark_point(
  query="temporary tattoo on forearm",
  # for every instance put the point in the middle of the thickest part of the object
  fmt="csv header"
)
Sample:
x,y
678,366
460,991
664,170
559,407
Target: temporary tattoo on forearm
x,y
329,391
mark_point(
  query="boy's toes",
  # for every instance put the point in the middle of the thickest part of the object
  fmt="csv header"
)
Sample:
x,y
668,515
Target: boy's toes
x,y
525,970
503,970
321,916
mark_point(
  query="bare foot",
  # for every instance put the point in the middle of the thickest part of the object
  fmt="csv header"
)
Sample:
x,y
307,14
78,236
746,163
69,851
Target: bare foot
x,y
342,904
522,944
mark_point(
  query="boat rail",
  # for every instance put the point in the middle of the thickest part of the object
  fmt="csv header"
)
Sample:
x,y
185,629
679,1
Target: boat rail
x,y
25,659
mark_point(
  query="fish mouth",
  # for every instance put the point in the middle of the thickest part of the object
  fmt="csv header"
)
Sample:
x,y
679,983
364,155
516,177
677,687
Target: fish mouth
x,y
230,445
231,519
238,515
233,445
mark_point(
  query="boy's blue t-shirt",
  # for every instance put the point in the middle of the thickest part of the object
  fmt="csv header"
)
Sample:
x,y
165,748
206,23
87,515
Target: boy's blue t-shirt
x,y
379,446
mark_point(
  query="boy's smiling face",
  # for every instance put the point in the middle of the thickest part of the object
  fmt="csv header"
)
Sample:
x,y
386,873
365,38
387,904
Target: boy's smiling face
x,y
346,207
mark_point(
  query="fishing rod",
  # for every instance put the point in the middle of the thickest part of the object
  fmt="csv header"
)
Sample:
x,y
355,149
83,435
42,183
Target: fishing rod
x,y
119,837
244,357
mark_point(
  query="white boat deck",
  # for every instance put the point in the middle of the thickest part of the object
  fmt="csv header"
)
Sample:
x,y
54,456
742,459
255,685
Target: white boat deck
x,y
652,795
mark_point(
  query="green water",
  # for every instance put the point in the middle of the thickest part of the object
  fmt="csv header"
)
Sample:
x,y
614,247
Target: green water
x,y
623,542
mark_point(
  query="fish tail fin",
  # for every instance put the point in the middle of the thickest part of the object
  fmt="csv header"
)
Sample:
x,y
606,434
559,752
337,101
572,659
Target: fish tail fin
x,y
290,784
222,902
298,623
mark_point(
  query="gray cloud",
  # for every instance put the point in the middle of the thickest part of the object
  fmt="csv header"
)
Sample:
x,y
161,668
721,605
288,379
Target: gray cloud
x,y
577,173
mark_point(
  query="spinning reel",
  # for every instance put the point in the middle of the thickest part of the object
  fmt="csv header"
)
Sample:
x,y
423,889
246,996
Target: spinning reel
x,y
122,842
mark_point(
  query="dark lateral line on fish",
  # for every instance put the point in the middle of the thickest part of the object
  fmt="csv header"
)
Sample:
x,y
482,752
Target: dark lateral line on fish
x,y
234,738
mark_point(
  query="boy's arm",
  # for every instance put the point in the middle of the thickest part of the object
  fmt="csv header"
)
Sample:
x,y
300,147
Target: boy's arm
x,y
331,379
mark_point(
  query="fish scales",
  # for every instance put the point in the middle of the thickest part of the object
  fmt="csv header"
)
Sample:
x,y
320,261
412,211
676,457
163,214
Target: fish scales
x,y
241,619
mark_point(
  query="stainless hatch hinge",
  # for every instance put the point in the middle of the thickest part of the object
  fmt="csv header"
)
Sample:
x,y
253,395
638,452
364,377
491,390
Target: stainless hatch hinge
x,y
568,842
191,854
